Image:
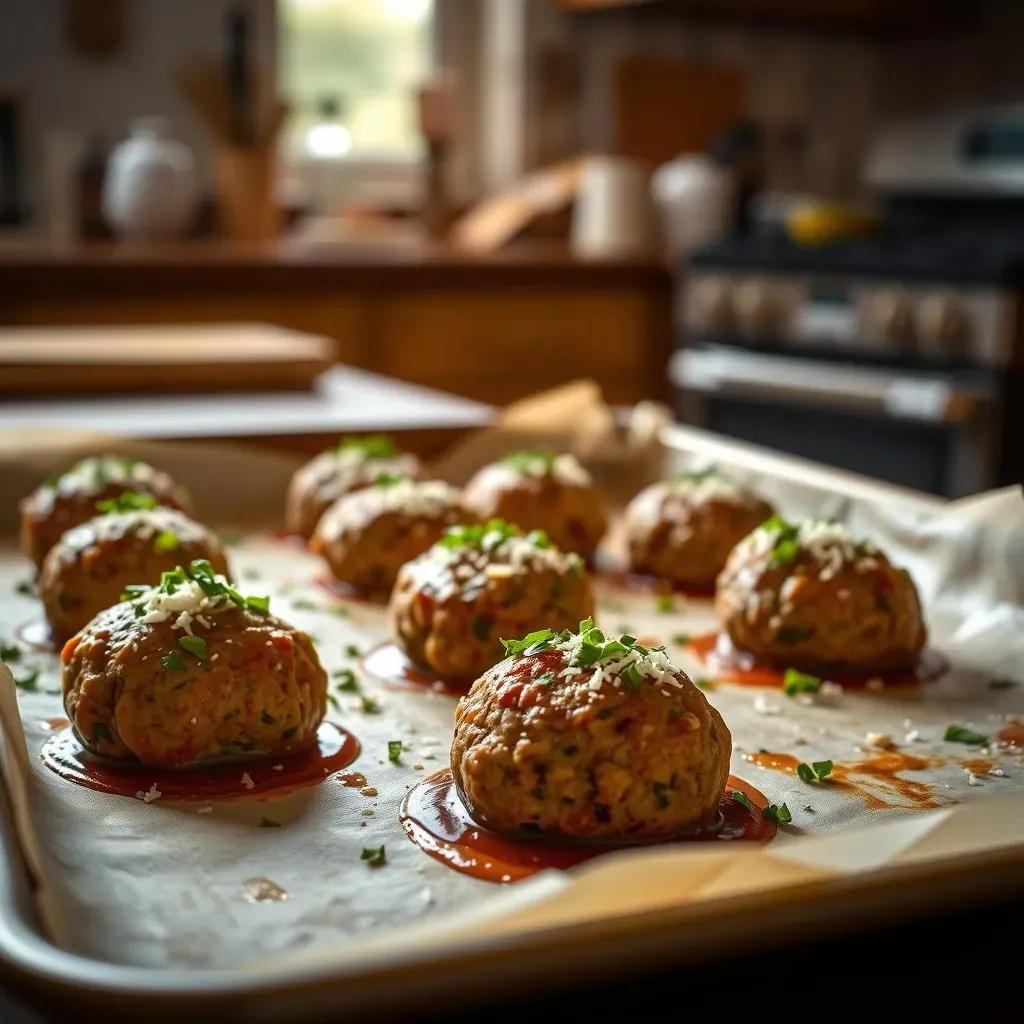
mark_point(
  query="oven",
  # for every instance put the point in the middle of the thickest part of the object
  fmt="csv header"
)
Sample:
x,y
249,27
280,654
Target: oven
x,y
934,431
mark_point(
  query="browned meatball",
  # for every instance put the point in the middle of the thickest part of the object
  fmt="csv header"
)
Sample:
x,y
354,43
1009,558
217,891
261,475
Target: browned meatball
x,y
541,491
88,569
190,671
813,597
452,605
349,466
367,536
683,529
624,746
70,498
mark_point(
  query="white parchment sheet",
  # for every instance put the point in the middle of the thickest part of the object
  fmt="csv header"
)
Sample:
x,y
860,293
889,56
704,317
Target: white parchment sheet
x,y
159,884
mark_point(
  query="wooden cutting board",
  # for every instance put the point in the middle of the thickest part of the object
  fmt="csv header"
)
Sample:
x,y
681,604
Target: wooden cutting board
x,y
159,359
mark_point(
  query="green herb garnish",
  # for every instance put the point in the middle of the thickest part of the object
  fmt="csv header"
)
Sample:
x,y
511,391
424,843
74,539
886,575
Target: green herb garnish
x,y
524,461
333,701
172,660
269,823
388,479
787,544
489,536
809,809
369,705
742,799
196,646
26,588
346,680
681,639
701,683
10,653
1002,684
375,446
394,751
29,683
815,771
665,604
794,681
961,734
545,679
351,651
373,855
259,605
130,501
167,541
777,813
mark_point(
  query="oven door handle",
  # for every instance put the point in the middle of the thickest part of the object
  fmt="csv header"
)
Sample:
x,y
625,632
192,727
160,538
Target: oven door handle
x,y
928,398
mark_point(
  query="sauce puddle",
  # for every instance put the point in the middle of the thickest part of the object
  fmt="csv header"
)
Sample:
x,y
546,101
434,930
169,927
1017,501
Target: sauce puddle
x,y
334,749
715,651
36,635
883,770
388,664
437,821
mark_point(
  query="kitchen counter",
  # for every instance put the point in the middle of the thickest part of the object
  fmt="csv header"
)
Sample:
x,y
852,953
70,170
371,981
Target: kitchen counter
x,y
491,328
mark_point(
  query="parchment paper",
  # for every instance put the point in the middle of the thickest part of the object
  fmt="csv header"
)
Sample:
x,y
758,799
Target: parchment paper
x,y
160,885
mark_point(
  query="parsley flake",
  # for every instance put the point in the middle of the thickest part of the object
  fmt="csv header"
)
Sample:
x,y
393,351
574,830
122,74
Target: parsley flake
x,y
742,799
167,541
961,734
794,681
374,856
665,604
681,639
332,699
196,646
525,461
346,680
130,501
369,705
815,771
10,653
172,660
352,651
28,683
777,813
394,751
269,823
374,446
26,588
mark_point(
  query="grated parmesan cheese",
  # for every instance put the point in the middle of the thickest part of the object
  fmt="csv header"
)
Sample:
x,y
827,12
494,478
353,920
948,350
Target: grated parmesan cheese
x,y
428,498
654,666
187,603
92,476
144,524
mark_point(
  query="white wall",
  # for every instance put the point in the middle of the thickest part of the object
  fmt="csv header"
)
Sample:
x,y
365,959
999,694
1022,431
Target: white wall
x,y
63,89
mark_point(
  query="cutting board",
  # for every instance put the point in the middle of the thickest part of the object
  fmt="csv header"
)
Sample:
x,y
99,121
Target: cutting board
x,y
665,106
159,359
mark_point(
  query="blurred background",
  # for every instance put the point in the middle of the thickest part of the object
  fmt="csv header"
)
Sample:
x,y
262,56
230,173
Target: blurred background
x,y
795,223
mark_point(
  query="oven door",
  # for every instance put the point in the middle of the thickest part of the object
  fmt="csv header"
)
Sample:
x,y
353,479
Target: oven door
x,y
932,432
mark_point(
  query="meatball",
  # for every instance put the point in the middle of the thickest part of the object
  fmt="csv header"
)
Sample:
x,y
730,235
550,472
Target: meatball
x,y
541,491
683,529
69,498
88,569
577,736
451,606
367,536
813,597
349,466
189,671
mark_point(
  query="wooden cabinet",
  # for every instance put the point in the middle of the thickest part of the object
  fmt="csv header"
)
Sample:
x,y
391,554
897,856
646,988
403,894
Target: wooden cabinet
x,y
837,15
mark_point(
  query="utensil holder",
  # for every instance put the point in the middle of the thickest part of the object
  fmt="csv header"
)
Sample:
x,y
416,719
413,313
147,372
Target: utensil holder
x,y
246,181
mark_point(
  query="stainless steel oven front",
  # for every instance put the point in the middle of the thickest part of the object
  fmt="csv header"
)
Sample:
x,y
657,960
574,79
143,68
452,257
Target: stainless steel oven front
x,y
933,431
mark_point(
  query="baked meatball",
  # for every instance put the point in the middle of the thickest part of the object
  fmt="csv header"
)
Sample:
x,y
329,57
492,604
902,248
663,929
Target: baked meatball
x,y
541,491
88,569
811,596
367,536
451,606
683,529
190,670
579,737
70,498
349,466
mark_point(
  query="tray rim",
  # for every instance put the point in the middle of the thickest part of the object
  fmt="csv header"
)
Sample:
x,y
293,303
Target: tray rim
x,y
51,976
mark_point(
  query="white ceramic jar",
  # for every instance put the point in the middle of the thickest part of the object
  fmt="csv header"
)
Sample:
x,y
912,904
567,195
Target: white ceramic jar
x,y
151,190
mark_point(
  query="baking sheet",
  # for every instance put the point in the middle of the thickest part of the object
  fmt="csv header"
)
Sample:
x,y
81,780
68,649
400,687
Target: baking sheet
x,y
159,885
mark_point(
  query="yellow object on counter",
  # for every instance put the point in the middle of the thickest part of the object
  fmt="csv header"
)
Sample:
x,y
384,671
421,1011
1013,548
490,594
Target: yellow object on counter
x,y
827,223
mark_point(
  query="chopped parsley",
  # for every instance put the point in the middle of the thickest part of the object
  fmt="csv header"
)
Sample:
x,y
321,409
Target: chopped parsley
x,y
373,855
26,588
742,799
374,446
130,501
332,699
787,542
961,734
196,646
490,535
701,683
368,705
545,679
352,651
809,809
172,660
28,683
167,541
1002,684
665,604
388,479
258,604
201,572
346,680
394,751
815,771
794,681
269,823
524,461
10,653
777,813
681,640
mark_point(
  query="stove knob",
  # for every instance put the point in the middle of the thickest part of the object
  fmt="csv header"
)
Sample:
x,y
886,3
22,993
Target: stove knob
x,y
892,319
759,311
711,306
943,325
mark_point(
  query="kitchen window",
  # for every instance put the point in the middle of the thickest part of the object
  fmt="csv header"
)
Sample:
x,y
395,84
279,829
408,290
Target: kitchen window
x,y
350,69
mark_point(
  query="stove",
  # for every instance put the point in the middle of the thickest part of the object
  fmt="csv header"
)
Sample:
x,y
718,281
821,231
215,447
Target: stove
x,y
894,355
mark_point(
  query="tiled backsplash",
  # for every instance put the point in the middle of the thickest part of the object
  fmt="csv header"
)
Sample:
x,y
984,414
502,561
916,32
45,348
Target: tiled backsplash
x,y
820,97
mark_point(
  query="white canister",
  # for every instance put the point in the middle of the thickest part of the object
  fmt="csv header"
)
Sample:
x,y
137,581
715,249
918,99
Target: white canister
x,y
151,190
612,215
695,199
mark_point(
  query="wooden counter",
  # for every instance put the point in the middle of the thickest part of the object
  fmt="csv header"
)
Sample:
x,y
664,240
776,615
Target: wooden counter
x,y
493,328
